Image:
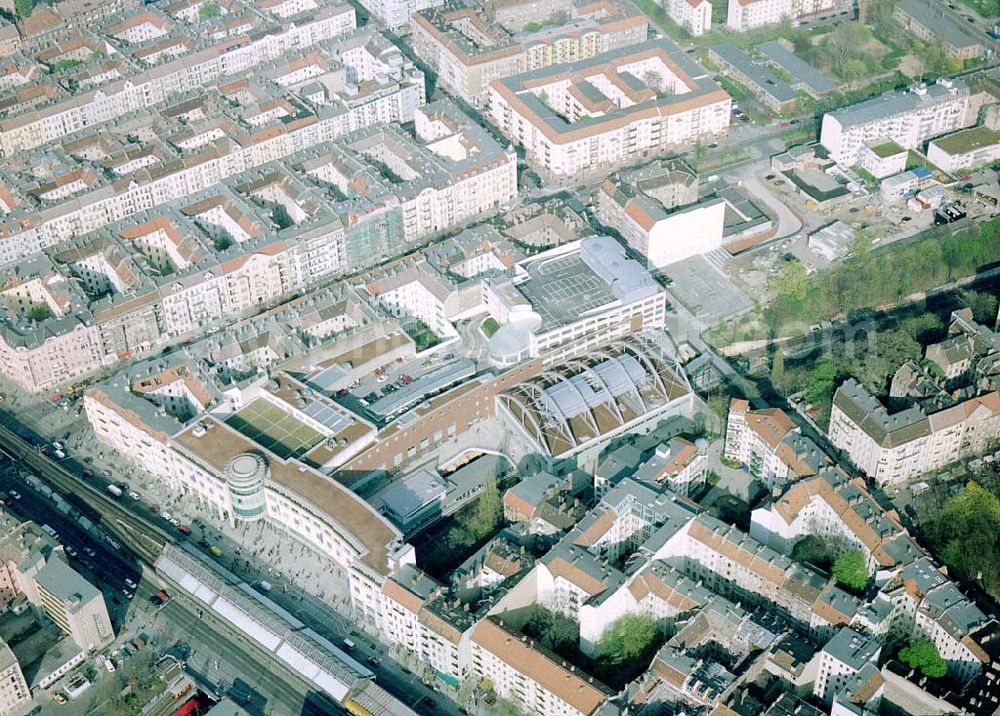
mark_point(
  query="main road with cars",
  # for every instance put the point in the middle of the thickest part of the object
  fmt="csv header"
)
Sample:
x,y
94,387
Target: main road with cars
x,y
136,532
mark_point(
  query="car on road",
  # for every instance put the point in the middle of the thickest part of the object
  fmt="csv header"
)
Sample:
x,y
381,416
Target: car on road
x,y
153,507
127,594
90,551
130,583
15,494
70,551
57,445
134,495
374,660
86,473
166,515
184,529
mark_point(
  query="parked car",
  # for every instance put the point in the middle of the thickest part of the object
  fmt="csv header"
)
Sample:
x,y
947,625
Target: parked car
x,y
134,495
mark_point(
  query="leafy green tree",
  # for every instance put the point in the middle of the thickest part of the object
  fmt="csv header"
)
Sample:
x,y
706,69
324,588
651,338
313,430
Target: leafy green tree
x,y
553,631
983,305
209,10
967,535
627,640
892,349
281,217
791,281
778,370
851,570
24,7
824,378
488,508
815,550
924,656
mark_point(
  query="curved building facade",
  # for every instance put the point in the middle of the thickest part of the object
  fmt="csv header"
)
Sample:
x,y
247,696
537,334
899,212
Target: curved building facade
x,y
245,475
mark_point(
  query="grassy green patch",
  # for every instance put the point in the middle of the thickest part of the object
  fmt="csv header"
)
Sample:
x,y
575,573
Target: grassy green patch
x,y
62,65
422,335
274,429
887,149
490,326
986,8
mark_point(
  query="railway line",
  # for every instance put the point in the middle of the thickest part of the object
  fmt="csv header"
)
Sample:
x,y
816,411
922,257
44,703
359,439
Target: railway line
x,y
124,529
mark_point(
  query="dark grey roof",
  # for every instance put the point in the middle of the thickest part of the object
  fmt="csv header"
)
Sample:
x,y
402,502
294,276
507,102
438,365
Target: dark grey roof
x,y
936,19
802,71
762,77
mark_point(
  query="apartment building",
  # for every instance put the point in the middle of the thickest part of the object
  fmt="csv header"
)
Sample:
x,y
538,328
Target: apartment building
x,y
927,605
469,48
966,149
218,253
934,25
14,692
219,142
74,604
432,622
534,679
841,660
736,566
769,445
772,91
243,481
31,129
614,108
907,118
830,505
23,551
892,448
747,14
660,215
396,14
695,16
678,465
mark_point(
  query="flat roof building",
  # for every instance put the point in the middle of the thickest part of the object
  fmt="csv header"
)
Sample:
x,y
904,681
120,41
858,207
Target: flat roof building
x,y
571,299
74,604
907,118
611,109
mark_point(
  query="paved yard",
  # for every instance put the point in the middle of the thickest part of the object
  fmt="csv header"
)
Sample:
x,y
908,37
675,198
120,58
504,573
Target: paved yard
x,y
705,291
